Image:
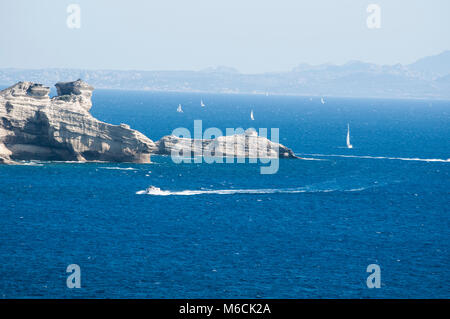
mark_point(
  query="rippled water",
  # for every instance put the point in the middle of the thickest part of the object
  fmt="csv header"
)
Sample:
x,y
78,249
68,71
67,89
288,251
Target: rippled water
x,y
225,230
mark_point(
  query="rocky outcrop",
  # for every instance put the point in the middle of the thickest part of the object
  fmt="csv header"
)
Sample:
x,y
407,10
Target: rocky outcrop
x,y
246,145
34,126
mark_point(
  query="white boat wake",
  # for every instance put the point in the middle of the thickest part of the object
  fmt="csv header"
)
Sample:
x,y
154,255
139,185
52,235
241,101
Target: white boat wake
x,y
383,157
156,191
120,168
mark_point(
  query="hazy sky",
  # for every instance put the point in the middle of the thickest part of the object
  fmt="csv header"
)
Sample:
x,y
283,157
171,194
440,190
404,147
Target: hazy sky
x,y
250,35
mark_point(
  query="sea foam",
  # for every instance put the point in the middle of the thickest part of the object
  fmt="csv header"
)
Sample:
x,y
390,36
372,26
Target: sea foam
x,y
385,158
158,192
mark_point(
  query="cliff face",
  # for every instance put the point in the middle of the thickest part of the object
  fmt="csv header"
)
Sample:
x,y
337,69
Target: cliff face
x,y
246,145
34,126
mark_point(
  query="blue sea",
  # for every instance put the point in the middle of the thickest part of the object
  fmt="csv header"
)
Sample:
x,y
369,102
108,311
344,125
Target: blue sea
x,y
227,231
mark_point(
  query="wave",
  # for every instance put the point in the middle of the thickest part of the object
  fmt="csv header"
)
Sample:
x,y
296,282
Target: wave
x,y
156,191
312,159
31,163
70,162
385,158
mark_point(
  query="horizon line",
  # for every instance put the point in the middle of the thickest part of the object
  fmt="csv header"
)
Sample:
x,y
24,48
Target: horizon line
x,y
213,69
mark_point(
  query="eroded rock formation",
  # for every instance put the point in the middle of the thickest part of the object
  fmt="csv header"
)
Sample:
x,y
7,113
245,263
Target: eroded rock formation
x,y
34,126
246,145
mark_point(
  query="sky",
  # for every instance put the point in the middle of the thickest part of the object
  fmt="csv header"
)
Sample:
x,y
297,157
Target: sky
x,y
253,36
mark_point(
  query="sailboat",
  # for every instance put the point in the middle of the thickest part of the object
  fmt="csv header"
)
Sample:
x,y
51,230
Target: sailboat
x,y
348,137
202,104
251,115
322,100
179,109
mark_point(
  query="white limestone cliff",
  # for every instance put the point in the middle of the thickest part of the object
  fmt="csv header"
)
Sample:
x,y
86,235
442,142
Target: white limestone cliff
x,y
34,126
245,145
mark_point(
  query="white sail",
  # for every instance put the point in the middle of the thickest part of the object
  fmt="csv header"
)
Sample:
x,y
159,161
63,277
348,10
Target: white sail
x,y
202,104
322,100
251,115
348,137
179,109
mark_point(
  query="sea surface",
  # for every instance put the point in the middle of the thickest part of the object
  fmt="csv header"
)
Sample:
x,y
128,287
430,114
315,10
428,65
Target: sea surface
x,y
227,231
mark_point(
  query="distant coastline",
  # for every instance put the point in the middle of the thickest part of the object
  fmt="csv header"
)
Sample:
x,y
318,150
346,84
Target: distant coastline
x,y
315,96
428,78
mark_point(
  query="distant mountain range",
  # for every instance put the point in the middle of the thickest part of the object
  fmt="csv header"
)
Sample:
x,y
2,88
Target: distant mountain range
x,y
428,77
